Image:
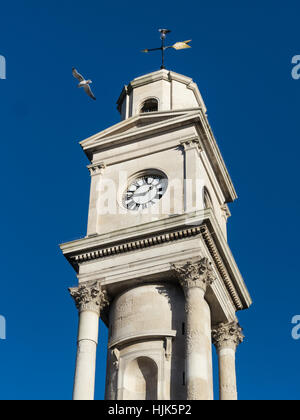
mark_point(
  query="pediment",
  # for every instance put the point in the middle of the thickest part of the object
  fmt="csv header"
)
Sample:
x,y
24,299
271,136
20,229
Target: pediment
x,y
134,124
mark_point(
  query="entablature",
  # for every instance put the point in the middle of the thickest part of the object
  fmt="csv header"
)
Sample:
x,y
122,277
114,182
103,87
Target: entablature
x,y
115,247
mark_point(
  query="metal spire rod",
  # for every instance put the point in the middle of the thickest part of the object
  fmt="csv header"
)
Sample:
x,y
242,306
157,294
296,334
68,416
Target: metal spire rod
x,y
163,34
178,46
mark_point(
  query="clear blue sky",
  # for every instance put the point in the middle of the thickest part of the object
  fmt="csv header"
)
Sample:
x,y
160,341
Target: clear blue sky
x,y
241,61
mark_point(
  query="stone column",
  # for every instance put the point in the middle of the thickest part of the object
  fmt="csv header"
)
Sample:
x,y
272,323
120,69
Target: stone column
x,y
89,300
226,338
194,278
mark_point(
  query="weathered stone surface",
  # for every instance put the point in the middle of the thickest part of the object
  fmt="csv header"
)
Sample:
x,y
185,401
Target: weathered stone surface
x,y
226,338
169,272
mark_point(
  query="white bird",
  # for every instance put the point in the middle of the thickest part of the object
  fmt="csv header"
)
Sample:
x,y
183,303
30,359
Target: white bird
x,y
83,83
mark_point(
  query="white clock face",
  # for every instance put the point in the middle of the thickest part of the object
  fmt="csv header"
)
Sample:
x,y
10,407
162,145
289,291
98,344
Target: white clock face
x,y
144,192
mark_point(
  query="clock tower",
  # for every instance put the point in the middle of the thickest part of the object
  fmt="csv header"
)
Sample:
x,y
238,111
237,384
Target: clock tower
x,y
155,264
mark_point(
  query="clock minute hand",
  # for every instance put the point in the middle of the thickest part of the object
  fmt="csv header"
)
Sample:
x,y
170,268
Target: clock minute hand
x,y
143,194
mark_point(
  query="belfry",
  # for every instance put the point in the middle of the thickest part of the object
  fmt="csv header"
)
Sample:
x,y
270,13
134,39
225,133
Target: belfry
x,y
155,264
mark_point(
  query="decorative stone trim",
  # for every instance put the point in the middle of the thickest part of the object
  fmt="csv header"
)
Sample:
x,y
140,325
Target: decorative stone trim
x,y
195,274
227,335
225,211
192,143
96,168
141,336
89,297
137,244
165,238
221,267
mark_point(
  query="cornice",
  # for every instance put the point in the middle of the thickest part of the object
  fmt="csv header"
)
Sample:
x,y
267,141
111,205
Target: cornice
x,y
213,151
221,267
149,78
114,138
211,234
135,244
156,240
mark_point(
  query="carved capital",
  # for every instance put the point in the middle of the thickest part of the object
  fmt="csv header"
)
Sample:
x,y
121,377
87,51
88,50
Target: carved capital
x,y
225,211
191,143
89,297
195,274
227,335
97,168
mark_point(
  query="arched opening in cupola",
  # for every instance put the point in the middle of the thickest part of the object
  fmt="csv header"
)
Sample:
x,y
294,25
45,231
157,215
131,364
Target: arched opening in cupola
x,y
150,105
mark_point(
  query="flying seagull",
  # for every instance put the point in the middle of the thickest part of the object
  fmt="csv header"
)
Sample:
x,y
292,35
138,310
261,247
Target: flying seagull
x,y
83,83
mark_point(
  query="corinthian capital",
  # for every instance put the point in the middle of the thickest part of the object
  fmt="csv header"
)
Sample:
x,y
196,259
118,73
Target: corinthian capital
x,y
195,274
97,168
89,297
227,335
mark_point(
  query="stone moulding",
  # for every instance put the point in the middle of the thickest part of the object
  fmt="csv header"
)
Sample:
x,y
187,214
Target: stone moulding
x,y
151,335
181,234
191,143
96,168
136,244
221,267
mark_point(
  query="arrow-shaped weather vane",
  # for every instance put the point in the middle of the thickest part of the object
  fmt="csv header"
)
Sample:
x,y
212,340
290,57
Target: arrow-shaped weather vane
x,y
178,46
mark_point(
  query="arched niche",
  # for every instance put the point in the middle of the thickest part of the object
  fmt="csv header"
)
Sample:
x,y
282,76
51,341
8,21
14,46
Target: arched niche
x,y
141,379
149,105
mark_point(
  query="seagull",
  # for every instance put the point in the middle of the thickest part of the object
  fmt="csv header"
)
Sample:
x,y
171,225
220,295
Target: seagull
x,y
83,83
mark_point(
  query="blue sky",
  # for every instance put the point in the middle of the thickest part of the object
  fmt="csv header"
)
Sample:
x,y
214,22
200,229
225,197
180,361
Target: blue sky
x,y
241,61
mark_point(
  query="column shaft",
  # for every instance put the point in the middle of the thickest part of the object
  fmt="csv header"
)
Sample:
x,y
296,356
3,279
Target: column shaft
x,y
198,347
195,277
227,374
84,383
90,299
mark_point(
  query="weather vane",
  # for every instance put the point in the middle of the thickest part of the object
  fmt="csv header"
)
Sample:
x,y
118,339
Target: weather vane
x,y
178,46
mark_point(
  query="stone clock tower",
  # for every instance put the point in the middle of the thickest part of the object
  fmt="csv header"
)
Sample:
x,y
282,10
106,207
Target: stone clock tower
x,y
155,264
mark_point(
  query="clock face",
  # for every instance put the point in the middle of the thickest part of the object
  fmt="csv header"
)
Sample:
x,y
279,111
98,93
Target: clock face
x,y
144,192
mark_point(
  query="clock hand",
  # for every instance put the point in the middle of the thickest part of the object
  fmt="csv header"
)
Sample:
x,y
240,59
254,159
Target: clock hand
x,y
143,194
